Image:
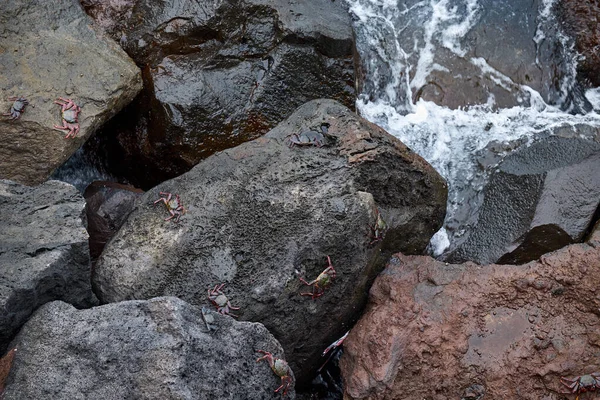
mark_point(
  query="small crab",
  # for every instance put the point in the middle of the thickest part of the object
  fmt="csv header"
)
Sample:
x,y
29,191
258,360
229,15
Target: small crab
x,y
173,204
218,298
323,281
280,368
306,138
70,117
17,108
379,229
583,383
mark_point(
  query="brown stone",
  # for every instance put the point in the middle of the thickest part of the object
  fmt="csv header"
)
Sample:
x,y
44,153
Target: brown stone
x,y
441,331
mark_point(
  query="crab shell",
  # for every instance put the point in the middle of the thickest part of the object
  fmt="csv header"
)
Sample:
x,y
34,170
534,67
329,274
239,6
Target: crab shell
x,y
220,301
70,116
280,367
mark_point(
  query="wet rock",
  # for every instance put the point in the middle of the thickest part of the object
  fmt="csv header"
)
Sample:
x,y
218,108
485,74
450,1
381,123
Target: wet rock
x,y
580,19
44,253
439,331
218,74
263,214
108,205
541,197
155,349
49,49
488,52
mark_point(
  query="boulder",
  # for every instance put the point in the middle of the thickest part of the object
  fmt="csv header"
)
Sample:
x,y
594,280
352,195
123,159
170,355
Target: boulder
x,y
48,50
44,253
156,349
221,73
540,198
107,206
579,19
438,331
267,212
489,52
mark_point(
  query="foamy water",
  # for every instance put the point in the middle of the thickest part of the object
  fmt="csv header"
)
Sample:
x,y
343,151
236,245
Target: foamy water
x,y
449,140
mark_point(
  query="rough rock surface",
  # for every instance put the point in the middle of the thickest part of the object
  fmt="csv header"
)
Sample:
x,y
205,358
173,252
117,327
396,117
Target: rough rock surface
x,y
107,206
437,331
44,253
489,52
541,197
155,349
263,212
580,19
221,73
49,49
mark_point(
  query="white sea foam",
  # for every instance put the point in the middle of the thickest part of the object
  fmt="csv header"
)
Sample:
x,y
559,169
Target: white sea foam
x,y
450,140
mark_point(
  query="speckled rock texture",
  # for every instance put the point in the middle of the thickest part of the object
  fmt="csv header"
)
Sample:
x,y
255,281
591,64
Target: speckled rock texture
x,y
50,49
263,214
44,253
157,349
541,197
444,331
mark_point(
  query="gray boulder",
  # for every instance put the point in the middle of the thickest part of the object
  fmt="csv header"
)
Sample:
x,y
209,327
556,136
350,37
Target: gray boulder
x,y
44,253
222,73
263,214
50,49
542,197
156,349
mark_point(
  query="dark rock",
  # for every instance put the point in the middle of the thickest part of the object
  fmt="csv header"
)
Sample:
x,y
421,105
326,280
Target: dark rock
x,y
263,213
220,74
107,206
49,49
580,19
438,331
156,349
44,253
542,197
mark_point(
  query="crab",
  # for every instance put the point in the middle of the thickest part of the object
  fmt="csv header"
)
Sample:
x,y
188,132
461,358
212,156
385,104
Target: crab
x,y
323,281
173,204
17,108
306,138
379,229
280,368
218,298
583,383
70,117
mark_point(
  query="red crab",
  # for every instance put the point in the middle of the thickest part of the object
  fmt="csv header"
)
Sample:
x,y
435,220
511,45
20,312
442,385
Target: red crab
x,y
70,117
173,204
323,281
378,230
280,368
583,383
17,108
218,298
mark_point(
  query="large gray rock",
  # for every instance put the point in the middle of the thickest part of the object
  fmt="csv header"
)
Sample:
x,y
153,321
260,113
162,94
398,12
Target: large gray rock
x,y
44,253
261,214
49,49
541,197
221,73
157,349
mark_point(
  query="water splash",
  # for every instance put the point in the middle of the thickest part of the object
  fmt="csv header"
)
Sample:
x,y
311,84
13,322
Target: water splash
x,y
452,141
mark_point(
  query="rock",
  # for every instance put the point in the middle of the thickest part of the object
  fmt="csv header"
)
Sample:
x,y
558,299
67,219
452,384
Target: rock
x,y
108,205
49,49
44,253
489,52
579,19
155,349
263,213
438,331
222,73
541,197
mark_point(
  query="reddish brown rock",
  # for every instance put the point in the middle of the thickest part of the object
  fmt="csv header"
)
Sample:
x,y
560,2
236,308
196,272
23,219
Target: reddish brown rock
x,y
439,331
